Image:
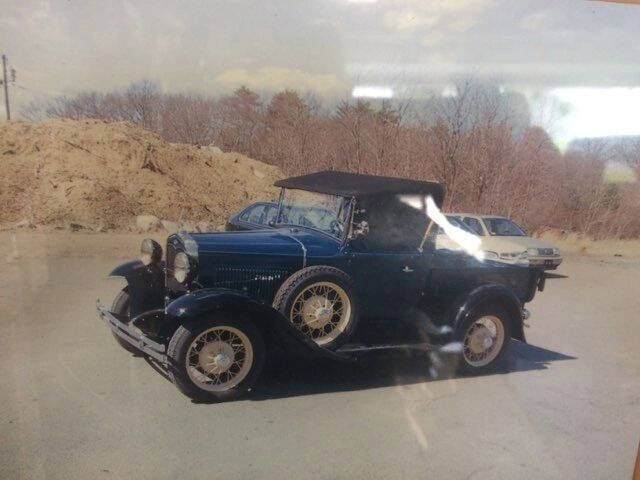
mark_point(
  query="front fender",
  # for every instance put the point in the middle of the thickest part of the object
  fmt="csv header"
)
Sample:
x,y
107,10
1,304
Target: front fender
x,y
146,285
127,269
491,293
273,325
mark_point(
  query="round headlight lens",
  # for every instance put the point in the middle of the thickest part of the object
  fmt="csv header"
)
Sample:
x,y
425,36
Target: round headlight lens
x,y
150,251
181,267
532,251
491,255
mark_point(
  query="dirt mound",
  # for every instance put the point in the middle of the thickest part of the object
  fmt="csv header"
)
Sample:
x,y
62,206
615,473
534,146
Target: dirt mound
x,y
102,175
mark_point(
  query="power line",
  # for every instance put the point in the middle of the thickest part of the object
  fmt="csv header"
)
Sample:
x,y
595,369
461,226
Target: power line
x,y
6,86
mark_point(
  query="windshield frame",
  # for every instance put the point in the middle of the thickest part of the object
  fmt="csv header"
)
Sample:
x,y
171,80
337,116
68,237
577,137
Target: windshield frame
x,y
346,206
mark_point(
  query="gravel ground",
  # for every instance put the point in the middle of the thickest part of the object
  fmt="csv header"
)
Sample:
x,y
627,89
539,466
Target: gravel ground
x,y
73,404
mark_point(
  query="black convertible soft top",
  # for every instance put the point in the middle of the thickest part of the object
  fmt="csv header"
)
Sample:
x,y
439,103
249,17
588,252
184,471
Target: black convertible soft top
x,y
355,185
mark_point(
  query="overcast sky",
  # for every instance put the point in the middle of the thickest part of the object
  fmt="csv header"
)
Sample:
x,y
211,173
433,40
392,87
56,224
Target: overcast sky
x,y
556,48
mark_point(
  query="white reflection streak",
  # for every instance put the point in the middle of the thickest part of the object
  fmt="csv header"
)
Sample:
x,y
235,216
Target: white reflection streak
x,y
470,243
371,92
421,438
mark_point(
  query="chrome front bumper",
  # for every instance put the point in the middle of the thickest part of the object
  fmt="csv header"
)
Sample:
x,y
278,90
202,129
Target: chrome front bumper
x,y
545,262
132,335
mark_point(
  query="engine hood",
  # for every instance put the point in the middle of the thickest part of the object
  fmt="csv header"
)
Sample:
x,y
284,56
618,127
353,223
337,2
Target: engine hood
x,y
280,242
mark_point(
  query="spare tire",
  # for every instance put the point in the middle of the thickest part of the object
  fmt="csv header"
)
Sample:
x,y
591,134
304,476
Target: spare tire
x,y
320,301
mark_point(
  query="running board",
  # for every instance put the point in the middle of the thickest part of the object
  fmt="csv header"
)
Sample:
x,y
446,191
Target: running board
x,y
360,348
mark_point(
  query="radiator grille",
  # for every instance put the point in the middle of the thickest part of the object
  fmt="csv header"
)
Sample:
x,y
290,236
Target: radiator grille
x,y
258,276
261,282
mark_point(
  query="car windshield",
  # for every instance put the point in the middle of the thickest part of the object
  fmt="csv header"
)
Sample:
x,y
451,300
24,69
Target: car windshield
x,y
456,223
326,213
502,227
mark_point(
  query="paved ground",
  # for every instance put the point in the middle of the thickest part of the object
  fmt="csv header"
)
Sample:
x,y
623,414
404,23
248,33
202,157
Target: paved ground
x,y
73,404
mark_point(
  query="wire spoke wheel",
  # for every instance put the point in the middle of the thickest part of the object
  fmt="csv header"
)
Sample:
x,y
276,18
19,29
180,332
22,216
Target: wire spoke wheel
x,y
321,311
483,341
219,358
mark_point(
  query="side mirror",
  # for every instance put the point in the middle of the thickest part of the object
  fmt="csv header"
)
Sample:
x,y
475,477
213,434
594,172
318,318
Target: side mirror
x,y
359,229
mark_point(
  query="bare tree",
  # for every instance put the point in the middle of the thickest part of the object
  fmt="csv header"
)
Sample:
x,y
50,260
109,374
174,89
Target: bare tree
x,y
478,142
239,120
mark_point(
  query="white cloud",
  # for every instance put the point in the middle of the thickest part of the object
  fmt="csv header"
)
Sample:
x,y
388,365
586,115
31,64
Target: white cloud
x,y
277,78
413,14
433,38
599,112
365,91
536,21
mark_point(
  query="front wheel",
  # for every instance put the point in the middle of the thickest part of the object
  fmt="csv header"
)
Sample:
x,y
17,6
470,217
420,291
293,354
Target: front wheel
x,y
216,359
484,337
121,307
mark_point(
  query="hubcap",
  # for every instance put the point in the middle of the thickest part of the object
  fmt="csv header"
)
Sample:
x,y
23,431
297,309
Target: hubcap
x,y
483,341
322,311
216,357
219,358
317,312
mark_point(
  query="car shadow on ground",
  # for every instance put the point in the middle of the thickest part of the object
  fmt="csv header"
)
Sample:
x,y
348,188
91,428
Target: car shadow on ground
x,y
282,378
286,379
550,275
290,377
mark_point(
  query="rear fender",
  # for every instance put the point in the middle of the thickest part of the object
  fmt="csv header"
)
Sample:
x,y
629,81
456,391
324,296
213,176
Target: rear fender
x,y
276,329
497,293
146,285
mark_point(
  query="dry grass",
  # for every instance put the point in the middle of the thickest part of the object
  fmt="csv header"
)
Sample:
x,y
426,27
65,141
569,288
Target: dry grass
x,y
576,244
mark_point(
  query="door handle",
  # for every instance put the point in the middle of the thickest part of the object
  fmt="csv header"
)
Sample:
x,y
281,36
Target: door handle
x,y
407,269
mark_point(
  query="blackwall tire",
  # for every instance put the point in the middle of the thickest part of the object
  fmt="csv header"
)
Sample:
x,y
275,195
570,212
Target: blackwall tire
x,y
217,358
120,306
321,302
484,336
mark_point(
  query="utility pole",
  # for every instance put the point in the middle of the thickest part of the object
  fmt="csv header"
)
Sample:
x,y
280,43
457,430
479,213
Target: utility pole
x,y
6,86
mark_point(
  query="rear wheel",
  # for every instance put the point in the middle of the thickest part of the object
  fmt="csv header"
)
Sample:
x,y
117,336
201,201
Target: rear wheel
x,y
216,359
121,307
484,336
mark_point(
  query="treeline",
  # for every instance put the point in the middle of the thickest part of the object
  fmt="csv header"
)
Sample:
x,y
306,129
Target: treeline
x,y
478,141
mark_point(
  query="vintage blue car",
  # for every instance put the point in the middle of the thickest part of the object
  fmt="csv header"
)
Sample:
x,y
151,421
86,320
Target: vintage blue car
x,y
347,268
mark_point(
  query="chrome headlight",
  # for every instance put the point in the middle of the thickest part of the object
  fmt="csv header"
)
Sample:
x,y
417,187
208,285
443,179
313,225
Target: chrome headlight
x,y
532,251
150,251
491,255
181,267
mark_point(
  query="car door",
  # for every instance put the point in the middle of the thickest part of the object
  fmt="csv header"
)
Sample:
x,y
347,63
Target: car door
x,y
387,263
389,283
